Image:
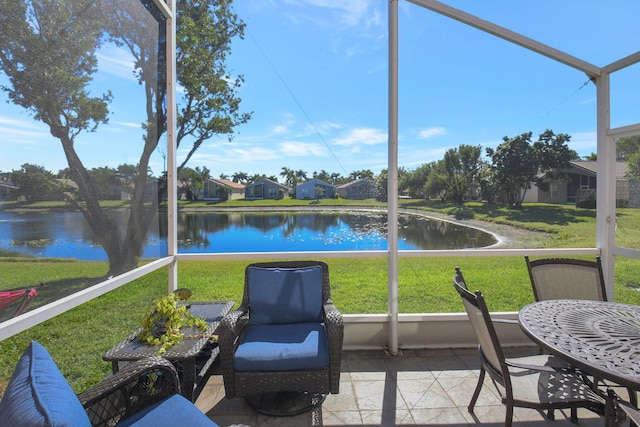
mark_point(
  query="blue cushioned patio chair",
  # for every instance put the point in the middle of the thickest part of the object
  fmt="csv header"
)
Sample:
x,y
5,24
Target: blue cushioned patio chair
x,y
143,393
286,336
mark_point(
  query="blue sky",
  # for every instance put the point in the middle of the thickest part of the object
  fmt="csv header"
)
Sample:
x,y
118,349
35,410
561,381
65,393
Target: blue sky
x,y
316,80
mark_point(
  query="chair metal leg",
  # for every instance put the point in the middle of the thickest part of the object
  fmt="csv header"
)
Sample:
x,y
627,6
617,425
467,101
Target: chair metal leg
x,y
574,415
508,418
476,393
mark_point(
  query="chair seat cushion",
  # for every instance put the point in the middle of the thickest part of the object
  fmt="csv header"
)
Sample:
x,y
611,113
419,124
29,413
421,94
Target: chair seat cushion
x,y
295,347
172,411
38,394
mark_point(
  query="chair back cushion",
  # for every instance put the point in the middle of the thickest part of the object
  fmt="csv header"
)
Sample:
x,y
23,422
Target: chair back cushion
x,y
285,295
292,347
38,394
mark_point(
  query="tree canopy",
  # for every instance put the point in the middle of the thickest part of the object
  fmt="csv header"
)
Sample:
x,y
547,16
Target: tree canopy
x,y
517,163
48,52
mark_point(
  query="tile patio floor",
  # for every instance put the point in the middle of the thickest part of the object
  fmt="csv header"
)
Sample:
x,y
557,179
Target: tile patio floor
x,y
418,387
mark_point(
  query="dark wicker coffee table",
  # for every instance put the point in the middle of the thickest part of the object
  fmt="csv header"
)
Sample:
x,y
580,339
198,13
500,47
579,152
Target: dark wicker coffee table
x,y
601,338
193,357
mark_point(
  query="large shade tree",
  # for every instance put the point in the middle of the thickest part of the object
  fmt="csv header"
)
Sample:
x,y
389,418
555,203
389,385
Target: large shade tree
x,y
48,52
518,163
461,166
209,104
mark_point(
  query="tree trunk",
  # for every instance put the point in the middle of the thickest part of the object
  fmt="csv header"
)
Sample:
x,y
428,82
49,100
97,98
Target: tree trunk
x,y
104,228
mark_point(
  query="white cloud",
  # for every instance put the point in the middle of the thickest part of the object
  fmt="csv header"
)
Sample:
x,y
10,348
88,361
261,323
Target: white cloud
x,y
280,129
117,62
431,132
350,13
362,136
230,159
417,156
129,124
17,130
302,149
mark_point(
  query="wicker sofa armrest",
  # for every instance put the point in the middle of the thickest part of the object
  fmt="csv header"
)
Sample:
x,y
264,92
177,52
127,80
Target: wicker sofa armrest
x,y
136,386
335,335
229,331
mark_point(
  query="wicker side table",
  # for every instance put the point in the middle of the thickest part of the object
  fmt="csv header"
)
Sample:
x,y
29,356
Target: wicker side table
x,y
192,357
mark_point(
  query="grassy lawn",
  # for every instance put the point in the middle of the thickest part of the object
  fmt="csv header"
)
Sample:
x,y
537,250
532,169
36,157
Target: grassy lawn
x,y
77,339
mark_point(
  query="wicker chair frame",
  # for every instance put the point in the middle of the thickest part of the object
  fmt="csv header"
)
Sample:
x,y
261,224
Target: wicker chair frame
x,y
235,325
133,388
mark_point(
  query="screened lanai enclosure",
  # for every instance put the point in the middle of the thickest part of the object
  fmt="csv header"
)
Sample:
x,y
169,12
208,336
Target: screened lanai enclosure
x,y
99,81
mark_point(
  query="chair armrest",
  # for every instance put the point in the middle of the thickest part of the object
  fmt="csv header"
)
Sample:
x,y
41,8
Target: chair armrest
x,y
539,368
335,336
134,387
506,321
230,329
332,315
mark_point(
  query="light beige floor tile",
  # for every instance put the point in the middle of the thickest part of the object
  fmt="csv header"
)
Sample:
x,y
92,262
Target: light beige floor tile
x,y
448,367
378,395
432,395
484,414
408,367
460,391
343,401
341,418
414,391
387,418
438,416
367,369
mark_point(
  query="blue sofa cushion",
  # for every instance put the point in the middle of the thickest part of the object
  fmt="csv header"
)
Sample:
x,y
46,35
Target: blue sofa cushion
x,y
38,394
294,347
285,295
172,411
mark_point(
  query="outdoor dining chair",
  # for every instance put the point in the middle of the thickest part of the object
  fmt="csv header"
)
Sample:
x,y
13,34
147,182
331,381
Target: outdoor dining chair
x,y
541,382
566,278
287,334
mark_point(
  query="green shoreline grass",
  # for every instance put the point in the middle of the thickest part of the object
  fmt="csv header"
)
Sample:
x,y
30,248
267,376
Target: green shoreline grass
x,y
77,339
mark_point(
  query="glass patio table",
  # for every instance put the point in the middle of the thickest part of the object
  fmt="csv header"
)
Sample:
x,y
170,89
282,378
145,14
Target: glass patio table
x,y
193,356
600,338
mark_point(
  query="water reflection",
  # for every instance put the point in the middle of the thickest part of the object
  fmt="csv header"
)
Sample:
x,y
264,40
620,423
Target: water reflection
x,y
66,234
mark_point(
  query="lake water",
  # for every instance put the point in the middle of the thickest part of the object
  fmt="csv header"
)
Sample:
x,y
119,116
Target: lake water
x,y
67,235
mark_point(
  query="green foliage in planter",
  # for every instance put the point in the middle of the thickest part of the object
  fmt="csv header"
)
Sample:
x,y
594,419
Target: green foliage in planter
x,y
161,325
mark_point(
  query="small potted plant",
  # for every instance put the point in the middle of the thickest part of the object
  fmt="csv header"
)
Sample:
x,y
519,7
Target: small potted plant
x,y
161,325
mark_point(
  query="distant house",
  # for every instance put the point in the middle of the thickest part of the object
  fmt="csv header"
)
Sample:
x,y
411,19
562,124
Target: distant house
x,y
363,188
315,189
581,186
212,189
68,186
8,190
150,191
265,189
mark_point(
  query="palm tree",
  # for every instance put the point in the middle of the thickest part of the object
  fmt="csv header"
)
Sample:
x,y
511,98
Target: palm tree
x,y
289,177
239,177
